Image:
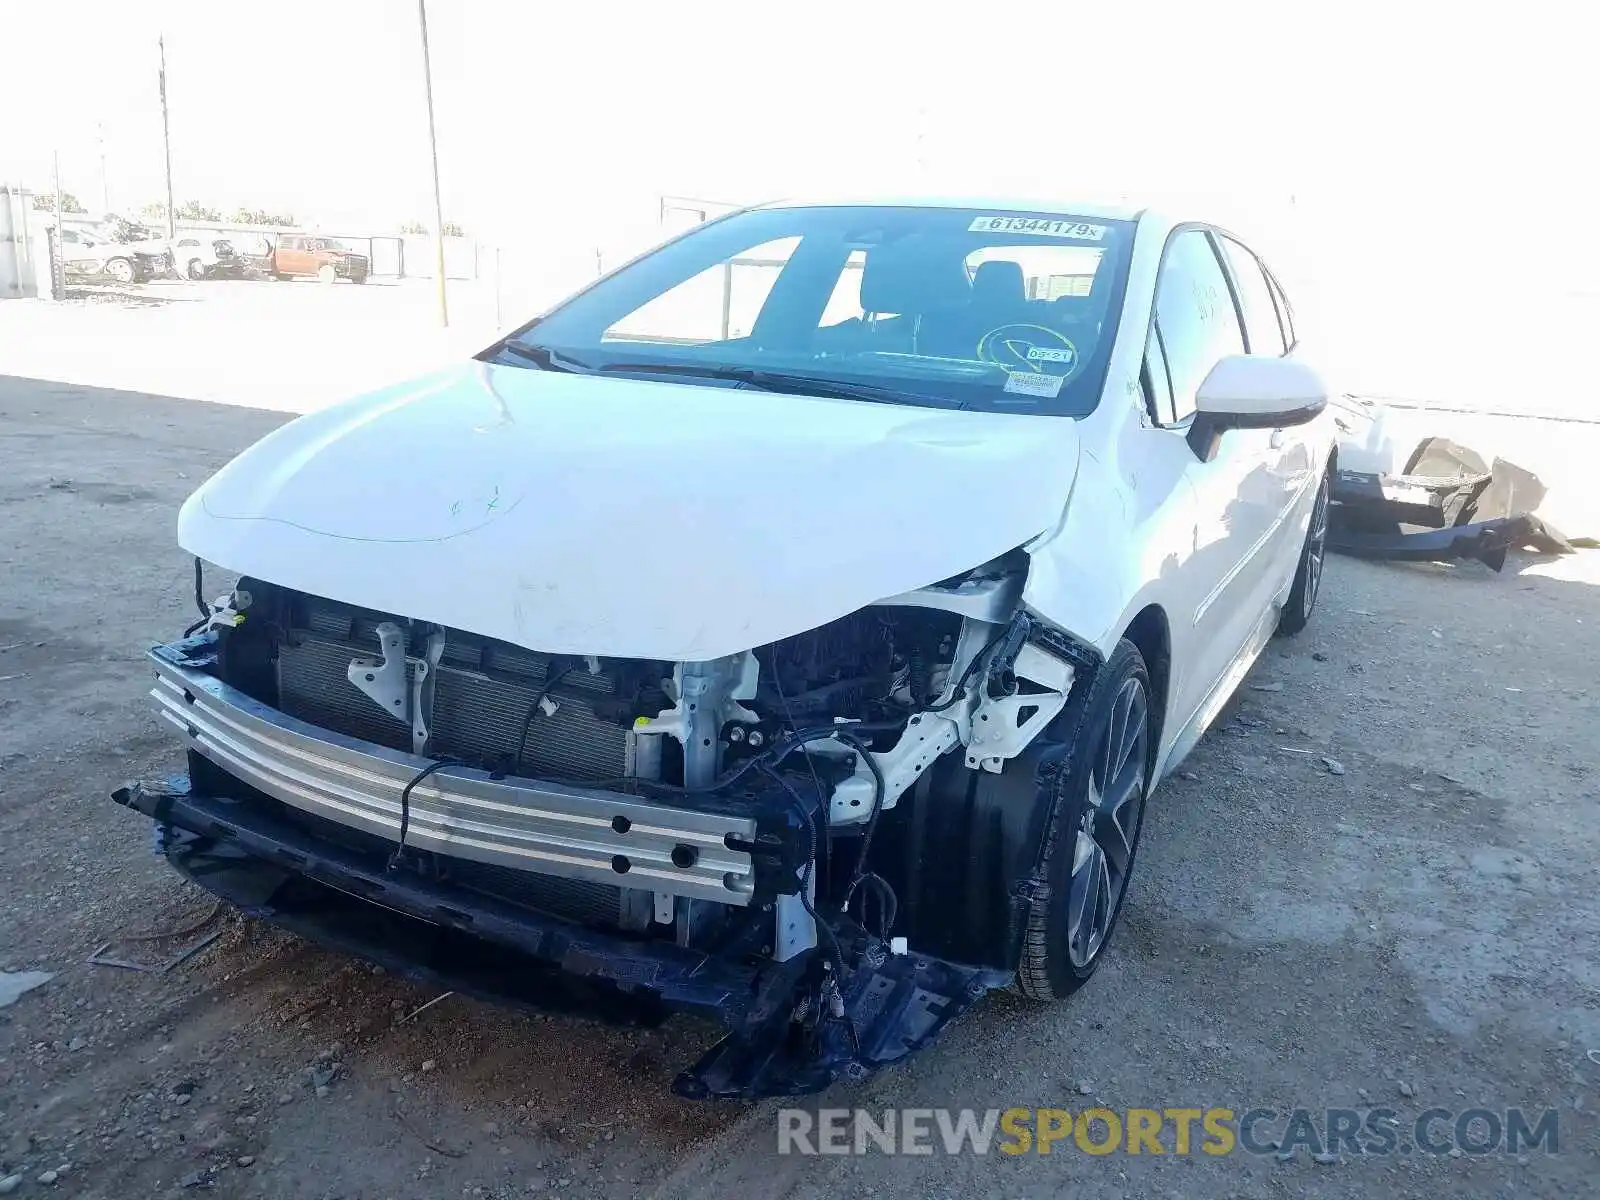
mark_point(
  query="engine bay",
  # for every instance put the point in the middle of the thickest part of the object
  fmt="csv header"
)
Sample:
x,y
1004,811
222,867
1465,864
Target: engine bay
x,y
744,807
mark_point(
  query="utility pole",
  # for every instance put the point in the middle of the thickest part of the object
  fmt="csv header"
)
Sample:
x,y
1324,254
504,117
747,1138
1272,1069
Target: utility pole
x,y
433,154
58,249
166,139
105,183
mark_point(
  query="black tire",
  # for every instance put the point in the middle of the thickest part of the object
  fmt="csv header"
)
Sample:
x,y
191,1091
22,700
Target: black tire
x,y
195,269
1302,600
1072,920
120,270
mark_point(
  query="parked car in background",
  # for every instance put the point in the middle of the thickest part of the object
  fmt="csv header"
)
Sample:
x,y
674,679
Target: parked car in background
x,y
251,256
198,255
87,256
304,255
189,255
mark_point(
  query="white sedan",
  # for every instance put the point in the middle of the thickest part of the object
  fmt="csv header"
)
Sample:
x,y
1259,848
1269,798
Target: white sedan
x,y
803,613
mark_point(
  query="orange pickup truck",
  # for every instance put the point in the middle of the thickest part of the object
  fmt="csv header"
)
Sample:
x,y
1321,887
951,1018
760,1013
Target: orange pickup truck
x,y
302,255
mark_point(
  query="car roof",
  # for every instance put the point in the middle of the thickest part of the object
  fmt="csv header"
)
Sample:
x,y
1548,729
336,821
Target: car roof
x,y
1106,212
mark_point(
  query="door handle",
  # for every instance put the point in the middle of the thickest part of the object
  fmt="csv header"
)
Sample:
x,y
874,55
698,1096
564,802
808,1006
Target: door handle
x,y
1276,440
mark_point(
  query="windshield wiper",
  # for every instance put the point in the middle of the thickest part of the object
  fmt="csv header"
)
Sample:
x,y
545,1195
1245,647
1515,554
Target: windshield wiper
x,y
785,382
545,358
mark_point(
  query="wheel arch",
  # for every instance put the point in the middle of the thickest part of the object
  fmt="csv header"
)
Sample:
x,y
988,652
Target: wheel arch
x,y
1151,632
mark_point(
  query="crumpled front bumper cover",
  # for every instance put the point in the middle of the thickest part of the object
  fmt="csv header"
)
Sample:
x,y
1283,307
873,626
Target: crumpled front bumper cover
x,y
1448,504
438,933
1486,541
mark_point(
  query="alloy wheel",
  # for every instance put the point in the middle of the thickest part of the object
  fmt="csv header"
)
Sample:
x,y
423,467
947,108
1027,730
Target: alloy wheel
x,y
1103,849
1316,549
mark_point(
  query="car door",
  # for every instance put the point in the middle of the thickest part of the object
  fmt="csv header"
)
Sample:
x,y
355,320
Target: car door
x,y
319,255
1225,586
74,255
292,258
1291,459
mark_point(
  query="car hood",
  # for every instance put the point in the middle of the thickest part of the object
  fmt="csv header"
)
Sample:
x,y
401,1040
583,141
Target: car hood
x,y
628,518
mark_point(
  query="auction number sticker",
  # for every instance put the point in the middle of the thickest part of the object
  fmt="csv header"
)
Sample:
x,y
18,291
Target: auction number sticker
x,y
1038,227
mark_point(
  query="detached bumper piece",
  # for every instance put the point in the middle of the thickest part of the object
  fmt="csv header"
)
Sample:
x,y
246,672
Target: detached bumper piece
x,y
1447,504
793,1028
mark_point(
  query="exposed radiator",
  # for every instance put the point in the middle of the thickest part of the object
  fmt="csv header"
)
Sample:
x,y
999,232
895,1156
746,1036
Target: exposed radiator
x,y
476,718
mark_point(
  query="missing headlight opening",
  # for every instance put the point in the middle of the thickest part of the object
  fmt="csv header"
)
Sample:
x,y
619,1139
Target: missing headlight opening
x,y
783,813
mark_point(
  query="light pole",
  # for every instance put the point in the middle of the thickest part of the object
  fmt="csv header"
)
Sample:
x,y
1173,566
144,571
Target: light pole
x,y
166,139
433,154
105,183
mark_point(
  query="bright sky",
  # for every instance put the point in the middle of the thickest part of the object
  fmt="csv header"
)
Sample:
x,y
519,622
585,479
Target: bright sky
x,y
1426,140
571,109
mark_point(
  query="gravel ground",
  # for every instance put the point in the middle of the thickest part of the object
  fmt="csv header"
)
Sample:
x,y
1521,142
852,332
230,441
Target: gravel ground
x,y
1414,926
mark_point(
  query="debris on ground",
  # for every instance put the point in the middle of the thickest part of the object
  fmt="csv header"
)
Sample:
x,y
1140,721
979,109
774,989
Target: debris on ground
x,y
432,1143
101,957
417,1011
14,984
1444,503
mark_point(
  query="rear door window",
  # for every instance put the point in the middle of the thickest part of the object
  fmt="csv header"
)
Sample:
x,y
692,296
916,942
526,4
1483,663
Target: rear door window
x,y
1285,312
1255,298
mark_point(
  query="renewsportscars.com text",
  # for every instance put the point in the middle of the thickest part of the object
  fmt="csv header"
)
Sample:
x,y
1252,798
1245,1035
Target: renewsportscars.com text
x,y
1214,1131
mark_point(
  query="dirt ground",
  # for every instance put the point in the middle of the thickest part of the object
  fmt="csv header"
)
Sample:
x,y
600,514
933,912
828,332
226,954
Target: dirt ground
x,y
1417,925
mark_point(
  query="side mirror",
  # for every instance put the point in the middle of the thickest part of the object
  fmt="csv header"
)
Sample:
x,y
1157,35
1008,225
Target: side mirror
x,y
1253,391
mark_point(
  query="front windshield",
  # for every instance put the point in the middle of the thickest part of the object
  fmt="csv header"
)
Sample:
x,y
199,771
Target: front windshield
x,y
1003,311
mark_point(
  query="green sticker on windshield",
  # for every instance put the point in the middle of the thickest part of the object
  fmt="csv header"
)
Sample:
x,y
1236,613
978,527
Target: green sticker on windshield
x,y
1034,348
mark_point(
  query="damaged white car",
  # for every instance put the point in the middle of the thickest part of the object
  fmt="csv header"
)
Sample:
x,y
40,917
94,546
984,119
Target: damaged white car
x,y
790,627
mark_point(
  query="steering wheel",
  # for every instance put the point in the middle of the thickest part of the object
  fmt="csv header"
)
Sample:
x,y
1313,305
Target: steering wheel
x,y
1034,348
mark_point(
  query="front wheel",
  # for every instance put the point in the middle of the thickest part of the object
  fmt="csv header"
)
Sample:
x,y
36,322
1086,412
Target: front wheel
x,y
327,274
120,270
195,269
1094,834
1308,574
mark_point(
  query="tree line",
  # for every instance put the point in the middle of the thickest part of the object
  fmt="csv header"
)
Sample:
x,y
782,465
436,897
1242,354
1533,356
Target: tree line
x,y
194,210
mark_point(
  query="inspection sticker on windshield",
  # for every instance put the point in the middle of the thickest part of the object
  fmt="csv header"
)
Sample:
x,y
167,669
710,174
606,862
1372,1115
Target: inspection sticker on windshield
x,y
1026,383
1039,227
